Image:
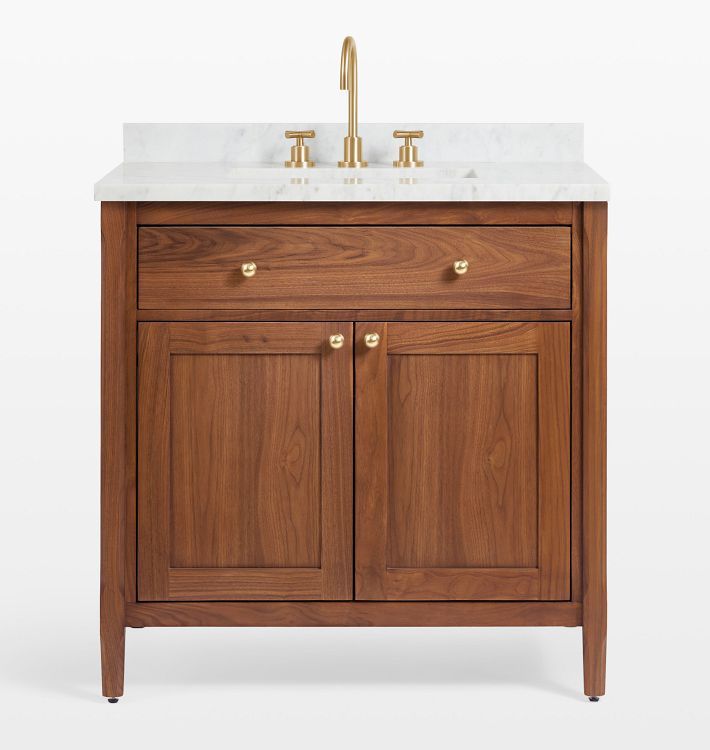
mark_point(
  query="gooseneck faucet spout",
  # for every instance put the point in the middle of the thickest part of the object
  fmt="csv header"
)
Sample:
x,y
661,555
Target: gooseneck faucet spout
x,y
352,152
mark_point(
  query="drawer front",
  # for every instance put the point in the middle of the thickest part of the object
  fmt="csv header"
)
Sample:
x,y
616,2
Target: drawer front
x,y
354,267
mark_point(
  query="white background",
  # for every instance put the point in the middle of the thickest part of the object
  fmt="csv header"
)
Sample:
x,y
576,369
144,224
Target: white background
x,y
637,75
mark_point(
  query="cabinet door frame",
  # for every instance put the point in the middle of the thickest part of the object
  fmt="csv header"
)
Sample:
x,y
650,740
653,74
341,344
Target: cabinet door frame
x,y
550,580
157,581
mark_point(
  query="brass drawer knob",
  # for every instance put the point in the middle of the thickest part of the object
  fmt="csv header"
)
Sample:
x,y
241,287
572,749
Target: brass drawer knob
x,y
372,340
336,341
460,267
248,269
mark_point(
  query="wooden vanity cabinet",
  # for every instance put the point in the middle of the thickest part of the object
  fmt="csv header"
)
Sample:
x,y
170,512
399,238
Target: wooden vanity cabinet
x,y
441,461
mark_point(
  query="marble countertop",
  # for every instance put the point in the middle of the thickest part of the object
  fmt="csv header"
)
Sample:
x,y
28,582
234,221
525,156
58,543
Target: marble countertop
x,y
462,163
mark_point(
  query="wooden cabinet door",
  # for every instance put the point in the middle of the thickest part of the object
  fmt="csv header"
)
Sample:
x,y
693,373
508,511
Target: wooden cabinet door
x,y
244,461
463,461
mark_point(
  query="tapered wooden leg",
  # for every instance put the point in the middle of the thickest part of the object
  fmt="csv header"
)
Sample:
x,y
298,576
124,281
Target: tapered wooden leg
x,y
113,650
594,449
594,638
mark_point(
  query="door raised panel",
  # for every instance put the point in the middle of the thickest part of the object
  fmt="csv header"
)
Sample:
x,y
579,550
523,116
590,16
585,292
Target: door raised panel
x,y
244,461
463,461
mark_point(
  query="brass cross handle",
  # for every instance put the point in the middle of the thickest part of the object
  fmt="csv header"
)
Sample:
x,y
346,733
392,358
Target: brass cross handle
x,y
300,156
408,154
408,135
299,135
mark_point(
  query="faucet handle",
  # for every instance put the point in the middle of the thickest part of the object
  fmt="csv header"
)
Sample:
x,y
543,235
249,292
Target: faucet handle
x,y
299,151
408,154
408,134
300,134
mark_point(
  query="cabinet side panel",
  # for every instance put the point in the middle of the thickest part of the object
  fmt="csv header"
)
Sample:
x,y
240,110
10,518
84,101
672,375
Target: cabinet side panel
x,y
118,243
594,448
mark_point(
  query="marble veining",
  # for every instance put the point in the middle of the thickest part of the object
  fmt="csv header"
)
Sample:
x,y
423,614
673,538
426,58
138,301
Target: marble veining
x,y
192,162
265,143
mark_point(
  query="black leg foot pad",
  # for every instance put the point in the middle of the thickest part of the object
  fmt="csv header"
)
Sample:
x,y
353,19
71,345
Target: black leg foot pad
x,y
594,699
115,700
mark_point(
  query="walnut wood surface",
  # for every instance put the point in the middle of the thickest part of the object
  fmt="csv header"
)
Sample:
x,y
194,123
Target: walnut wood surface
x,y
240,426
349,315
577,568
594,448
357,614
360,267
463,475
576,423
260,508
118,243
342,214
447,507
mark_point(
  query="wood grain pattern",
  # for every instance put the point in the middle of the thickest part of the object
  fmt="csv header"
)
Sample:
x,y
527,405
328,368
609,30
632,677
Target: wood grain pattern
x,y
265,338
462,583
250,584
594,449
349,315
554,457
118,242
264,510
361,267
240,426
447,507
474,339
439,476
354,614
334,214
153,460
576,423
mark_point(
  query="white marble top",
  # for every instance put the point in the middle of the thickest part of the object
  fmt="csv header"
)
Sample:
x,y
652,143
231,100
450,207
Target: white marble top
x,y
244,163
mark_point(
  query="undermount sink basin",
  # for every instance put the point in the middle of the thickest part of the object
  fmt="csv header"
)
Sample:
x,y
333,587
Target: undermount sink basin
x,y
331,173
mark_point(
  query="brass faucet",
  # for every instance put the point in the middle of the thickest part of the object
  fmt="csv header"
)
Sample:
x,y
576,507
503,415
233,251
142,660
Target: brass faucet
x,y
352,154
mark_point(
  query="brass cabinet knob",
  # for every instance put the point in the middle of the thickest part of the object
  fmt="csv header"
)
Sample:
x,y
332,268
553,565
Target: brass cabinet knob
x,y
460,267
408,154
300,156
372,340
336,341
248,269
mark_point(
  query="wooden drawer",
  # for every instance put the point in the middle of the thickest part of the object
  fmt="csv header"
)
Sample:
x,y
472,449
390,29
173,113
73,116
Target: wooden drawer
x,y
354,267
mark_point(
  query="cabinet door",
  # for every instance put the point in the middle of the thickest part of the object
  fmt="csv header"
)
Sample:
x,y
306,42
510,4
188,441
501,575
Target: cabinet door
x,y
463,461
244,461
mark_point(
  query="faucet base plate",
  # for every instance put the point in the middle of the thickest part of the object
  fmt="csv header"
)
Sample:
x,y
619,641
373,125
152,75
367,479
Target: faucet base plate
x,y
352,152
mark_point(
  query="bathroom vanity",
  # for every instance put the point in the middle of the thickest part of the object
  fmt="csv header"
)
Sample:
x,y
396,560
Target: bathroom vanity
x,y
353,397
